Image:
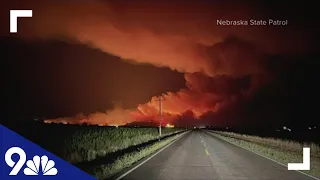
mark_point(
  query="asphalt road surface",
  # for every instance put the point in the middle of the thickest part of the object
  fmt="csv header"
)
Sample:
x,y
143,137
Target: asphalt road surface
x,y
201,156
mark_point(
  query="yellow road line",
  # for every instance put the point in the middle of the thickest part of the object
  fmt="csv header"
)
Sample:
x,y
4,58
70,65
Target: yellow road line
x,y
207,152
205,149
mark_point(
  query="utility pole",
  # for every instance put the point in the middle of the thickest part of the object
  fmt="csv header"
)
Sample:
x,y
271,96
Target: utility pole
x,y
160,116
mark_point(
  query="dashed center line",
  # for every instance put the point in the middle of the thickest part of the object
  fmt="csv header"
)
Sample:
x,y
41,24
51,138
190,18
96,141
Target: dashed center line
x,y
204,146
207,152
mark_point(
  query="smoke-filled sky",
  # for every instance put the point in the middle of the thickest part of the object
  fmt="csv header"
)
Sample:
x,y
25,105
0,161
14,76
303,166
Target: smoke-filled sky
x,y
109,62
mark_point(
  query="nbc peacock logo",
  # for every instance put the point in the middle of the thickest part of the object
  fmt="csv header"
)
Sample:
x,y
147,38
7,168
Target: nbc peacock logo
x,y
47,166
36,166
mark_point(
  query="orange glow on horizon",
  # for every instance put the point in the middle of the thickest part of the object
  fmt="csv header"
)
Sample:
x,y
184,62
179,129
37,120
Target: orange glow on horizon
x,y
170,126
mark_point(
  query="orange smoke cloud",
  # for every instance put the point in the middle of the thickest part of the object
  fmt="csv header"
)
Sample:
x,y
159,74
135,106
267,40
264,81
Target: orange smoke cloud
x,y
202,95
176,35
182,36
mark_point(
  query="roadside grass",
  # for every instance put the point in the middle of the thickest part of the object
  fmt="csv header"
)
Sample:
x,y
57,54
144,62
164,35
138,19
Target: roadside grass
x,y
106,171
283,151
87,144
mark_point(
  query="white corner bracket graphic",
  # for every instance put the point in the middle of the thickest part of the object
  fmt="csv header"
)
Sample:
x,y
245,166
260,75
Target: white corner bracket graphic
x,y
14,14
305,165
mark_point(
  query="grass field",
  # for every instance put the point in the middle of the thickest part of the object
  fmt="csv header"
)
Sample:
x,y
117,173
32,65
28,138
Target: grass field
x,y
283,151
90,143
100,151
77,144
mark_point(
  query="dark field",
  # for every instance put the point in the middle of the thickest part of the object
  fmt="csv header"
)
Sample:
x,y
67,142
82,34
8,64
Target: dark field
x,y
300,134
76,143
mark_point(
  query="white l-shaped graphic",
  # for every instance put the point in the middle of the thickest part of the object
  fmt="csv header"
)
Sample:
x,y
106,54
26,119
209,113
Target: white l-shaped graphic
x,y
305,165
14,14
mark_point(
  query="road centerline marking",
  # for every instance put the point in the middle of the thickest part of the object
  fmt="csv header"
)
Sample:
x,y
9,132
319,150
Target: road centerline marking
x,y
207,152
154,154
204,146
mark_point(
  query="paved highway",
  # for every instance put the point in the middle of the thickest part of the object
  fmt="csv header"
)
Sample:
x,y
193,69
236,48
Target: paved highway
x,y
200,156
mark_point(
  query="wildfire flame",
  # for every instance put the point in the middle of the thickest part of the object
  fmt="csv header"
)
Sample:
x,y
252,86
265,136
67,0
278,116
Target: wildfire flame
x,y
170,126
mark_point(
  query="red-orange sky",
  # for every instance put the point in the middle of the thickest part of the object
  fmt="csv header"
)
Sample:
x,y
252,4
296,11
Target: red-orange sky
x,y
222,65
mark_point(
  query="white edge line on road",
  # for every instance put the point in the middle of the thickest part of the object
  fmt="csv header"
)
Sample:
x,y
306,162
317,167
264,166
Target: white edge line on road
x,y
135,167
268,158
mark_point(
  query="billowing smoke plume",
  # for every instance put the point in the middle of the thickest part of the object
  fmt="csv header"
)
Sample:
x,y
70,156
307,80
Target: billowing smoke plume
x,y
177,35
222,64
203,94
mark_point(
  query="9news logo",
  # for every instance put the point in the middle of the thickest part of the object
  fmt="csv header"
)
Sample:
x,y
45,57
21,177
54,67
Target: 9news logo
x,y
33,166
23,159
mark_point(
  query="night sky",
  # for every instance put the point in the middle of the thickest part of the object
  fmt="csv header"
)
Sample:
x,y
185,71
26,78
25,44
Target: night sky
x,y
107,62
